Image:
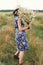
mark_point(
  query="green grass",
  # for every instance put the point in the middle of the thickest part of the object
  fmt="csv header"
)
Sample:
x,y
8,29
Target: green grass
x,y
38,31
39,18
34,56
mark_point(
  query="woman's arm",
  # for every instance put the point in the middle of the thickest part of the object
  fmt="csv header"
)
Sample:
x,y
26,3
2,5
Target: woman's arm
x,y
22,28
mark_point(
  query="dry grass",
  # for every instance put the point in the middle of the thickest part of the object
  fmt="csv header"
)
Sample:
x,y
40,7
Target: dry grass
x,y
34,56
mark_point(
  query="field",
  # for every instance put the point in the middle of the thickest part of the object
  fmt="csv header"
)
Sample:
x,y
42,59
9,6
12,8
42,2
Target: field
x,y
34,56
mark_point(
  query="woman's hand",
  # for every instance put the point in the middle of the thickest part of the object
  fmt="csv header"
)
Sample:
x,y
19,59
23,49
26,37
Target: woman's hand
x,y
22,28
28,26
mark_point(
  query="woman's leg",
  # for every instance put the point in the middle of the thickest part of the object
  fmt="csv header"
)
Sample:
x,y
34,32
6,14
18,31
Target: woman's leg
x,y
17,52
16,55
21,57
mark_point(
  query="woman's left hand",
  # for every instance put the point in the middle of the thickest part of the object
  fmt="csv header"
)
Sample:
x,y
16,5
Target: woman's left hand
x,y
28,26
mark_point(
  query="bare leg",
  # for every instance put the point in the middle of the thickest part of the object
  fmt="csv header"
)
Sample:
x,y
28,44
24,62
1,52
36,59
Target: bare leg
x,y
21,56
16,52
16,55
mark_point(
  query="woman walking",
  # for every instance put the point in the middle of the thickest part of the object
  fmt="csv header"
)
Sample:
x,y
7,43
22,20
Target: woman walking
x,y
20,37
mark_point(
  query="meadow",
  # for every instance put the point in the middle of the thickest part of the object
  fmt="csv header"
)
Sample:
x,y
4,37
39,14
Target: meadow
x,y
34,56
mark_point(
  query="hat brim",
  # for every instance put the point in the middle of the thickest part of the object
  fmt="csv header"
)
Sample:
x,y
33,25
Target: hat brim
x,y
15,10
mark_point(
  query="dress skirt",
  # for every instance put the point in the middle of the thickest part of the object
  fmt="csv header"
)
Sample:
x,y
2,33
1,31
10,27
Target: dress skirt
x,y
21,40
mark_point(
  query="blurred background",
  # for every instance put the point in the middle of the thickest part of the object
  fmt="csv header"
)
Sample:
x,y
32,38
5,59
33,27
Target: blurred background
x,y
28,4
34,56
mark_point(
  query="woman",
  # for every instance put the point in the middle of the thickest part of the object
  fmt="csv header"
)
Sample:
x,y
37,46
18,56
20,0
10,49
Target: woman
x,y
20,37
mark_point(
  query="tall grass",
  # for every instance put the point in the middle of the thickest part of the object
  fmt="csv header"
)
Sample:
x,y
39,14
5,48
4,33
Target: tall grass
x,y
34,56
38,31
39,18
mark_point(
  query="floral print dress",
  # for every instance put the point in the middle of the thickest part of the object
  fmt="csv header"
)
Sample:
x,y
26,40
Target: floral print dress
x,y
20,36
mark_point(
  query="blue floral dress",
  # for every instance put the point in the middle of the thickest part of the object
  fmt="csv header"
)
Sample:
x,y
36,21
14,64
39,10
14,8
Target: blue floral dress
x,y
20,36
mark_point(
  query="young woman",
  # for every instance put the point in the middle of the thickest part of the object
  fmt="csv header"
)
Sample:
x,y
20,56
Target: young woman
x,y
20,37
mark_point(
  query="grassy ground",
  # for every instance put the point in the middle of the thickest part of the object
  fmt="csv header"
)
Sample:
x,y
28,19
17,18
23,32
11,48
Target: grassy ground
x,y
34,56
